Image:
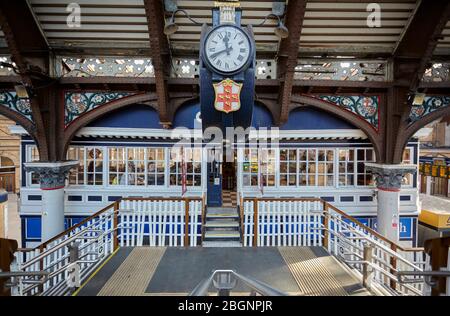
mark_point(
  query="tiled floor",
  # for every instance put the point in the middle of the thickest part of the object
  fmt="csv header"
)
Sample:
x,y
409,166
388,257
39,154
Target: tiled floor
x,y
148,271
229,198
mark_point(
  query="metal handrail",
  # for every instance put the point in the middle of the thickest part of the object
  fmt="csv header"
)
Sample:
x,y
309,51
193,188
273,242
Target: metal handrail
x,y
257,286
60,245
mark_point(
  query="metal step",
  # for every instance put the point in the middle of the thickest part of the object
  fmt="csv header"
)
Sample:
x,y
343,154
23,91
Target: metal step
x,y
221,244
222,224
221,216
224,235
221,210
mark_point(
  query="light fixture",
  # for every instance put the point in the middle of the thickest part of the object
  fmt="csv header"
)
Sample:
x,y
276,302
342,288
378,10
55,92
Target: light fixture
x,y
281,30
22,91
171,27
417,99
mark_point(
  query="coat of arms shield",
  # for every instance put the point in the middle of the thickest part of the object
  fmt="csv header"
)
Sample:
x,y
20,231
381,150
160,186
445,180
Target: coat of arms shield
x,y
228,95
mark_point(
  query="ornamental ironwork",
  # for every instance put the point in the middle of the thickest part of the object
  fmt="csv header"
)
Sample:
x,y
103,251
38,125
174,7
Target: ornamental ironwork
x,y
364,107
266,69
429,105
11,101
185,68
80,103
438,72
6,71
341,70
106,66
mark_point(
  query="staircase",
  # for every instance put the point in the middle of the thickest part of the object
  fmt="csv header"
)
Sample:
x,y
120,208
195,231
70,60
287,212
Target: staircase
x,y
222,227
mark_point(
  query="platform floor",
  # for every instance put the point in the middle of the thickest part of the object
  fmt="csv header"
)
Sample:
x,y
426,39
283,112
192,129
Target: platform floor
x,y
147,271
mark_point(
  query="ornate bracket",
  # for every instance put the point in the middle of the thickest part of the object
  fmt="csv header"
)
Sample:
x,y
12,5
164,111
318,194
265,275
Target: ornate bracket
x,y
429,105
80,103
21,106
367,108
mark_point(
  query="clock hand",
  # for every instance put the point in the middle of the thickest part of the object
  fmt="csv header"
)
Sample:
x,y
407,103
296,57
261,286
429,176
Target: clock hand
x,y
227,50
226,40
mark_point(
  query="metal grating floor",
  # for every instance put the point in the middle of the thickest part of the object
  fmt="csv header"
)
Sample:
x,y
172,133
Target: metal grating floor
x,y
153,271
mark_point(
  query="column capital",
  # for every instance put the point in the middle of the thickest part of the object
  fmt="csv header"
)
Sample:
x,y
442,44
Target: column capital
x,y
52,175
389,177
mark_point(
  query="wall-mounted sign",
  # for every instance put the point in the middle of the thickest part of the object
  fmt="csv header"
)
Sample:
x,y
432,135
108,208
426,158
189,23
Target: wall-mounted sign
x,y
228,95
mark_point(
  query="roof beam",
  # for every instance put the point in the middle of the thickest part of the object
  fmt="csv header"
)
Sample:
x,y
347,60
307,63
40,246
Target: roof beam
x,y
30,52
159,53
415,49
23,36
287,54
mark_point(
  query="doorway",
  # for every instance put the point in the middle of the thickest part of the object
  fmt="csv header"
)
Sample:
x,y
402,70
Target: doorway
x,y
229,189
222,179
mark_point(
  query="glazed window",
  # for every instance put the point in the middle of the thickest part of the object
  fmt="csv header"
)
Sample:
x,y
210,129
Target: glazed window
x,y
193,161
352,169
117,166
325,167
135,166
268,167
156,166
250,167
76,175
94,162
288,167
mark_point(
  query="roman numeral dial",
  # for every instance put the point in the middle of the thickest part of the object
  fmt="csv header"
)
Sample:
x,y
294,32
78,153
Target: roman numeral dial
x,y
227,48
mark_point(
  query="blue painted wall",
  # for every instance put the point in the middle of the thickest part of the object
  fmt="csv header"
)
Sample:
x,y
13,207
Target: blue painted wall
x,y
142,116
187,116
133,116
262,117
312,118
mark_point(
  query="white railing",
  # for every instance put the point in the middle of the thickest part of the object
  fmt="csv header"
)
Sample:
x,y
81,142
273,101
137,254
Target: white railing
x,y
128,222
95,240
278,222
314,222
160,222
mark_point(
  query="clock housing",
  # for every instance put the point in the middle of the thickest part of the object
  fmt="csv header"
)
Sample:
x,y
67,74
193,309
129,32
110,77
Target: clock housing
x,y
227,49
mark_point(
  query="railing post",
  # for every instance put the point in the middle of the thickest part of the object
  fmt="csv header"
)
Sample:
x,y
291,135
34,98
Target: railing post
x,y
367,269
186,222
116,225
241,215
326,225
393,262
203,217
255,222
41,267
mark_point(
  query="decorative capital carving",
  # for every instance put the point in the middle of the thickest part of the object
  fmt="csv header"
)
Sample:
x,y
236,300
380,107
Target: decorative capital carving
x,y
52,175
389,177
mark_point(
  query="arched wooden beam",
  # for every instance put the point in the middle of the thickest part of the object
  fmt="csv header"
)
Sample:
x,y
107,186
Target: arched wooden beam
x,y
179,101
100,111
21,120
406,134
299,101
272,105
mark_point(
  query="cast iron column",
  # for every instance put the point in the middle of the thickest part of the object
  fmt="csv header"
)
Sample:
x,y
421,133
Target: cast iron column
x,y
388,179
52,178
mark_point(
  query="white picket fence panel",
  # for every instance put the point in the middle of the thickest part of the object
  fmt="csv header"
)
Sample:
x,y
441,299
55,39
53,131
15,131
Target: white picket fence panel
x,y
283,223
159,223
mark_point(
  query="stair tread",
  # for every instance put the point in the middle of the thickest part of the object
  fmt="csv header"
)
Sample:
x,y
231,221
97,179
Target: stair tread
x,y
215,233
222,244
221,224
222,215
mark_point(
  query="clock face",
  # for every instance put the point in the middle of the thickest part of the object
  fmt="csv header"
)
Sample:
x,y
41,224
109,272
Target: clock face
x,y
227,49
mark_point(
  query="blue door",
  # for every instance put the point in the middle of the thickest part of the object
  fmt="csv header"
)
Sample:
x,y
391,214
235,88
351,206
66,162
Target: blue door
x,y
214,193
